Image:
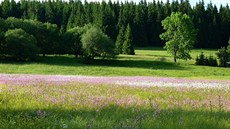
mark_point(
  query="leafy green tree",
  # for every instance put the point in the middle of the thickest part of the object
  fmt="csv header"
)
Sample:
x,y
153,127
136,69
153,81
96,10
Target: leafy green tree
x,y
97,44
21,45
72,41
128,43
120,40
180,35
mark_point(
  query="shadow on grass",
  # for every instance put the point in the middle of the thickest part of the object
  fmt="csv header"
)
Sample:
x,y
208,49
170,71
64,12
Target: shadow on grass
x,y
72,61
150,48
113,117
138,64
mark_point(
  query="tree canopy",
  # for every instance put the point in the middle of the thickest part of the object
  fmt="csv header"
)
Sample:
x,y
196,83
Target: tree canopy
x,y
97,44
144,18
180,35
20,44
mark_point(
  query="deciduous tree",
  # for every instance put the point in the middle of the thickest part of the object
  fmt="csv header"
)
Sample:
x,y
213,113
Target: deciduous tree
x,y
20,44
97,44
180,35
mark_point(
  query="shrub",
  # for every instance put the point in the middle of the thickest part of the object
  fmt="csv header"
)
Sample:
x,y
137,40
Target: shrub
x,y
20,45
209,61
201,59
223,56
212,61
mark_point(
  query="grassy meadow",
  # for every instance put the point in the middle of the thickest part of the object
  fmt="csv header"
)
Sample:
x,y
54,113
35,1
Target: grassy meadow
x,y
93,106
146,62
76,105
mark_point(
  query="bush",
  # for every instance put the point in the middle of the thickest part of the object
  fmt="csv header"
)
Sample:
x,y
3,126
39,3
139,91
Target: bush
x,y
201,60
212,61
21,45
97,44
223,56
209,61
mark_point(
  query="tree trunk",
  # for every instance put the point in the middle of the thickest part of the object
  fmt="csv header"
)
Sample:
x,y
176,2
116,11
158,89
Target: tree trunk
x,y
174,59
175,53
43,55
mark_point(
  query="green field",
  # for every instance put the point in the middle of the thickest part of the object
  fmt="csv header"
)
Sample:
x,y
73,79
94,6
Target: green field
x,y
46,105
104,106
146,62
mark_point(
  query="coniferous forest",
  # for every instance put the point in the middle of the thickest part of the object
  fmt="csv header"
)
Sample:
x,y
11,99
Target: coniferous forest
x,y
212,23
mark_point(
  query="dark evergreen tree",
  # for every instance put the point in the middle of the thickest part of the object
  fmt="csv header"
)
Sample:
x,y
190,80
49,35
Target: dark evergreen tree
x,y
120,40
128,47
140,22
49,12
145,18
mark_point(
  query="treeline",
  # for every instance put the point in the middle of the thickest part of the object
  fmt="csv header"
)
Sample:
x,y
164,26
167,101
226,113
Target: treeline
x,y
23,40
144,18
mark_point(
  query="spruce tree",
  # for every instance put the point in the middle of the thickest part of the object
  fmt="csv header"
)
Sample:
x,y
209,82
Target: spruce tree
x,y
128,43
120,40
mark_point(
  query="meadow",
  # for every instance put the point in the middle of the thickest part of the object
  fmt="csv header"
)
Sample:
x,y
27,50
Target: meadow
x,y
97,106
146,62
31,103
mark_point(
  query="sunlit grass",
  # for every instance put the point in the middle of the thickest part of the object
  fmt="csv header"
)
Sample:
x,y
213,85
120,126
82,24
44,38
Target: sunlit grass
x,y
109,106
146,62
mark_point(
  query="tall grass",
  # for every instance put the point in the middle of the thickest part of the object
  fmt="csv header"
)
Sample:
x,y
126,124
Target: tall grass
x,y
109,106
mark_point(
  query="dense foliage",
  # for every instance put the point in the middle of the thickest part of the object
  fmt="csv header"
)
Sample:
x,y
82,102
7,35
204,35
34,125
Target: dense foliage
x,y
144,18
179,34
120,40
96,44
224,56
20,44
128,42
208,61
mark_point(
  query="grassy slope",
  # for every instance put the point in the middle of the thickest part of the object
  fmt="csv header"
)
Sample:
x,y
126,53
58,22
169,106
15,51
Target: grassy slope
x,y
146,62
103,106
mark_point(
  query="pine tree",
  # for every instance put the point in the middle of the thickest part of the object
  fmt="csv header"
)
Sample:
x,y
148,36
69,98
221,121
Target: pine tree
x,y
6,9
140,22
128,43
120,40
49,13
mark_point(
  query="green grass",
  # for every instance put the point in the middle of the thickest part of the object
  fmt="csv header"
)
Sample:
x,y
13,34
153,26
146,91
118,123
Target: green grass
x,y
105,106
146,62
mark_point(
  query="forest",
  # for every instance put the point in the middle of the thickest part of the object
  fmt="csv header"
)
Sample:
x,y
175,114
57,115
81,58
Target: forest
x,y
212,23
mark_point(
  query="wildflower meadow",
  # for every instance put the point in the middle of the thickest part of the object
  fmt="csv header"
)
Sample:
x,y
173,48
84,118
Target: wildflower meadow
x,y
57,101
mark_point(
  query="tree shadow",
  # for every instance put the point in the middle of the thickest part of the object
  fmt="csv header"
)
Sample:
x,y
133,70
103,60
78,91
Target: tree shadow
x,y
150,48
71,61
112,117
147,64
